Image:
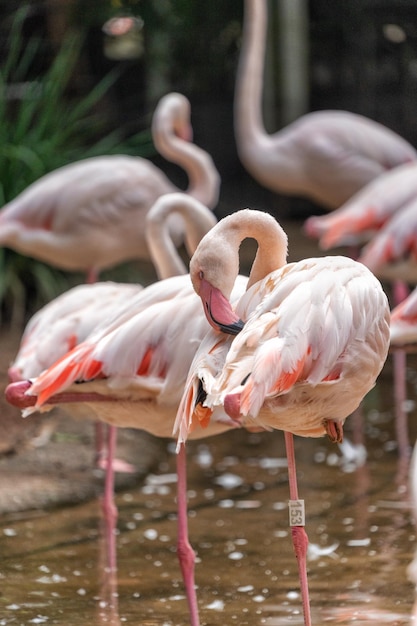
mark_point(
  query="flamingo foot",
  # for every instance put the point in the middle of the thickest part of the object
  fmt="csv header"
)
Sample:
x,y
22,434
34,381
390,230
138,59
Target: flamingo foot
x,y
334,430
232,405
118,465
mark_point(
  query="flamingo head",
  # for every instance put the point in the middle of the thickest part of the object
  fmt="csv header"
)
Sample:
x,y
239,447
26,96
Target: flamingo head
x,y
218,309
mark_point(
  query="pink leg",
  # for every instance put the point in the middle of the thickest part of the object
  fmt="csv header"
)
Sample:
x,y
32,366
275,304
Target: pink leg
x,y
109,507
103,457
401,291
186,555
299,535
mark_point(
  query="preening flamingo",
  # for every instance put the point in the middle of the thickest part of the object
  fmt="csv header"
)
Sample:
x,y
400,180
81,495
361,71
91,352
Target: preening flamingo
x,y
89,215
315,338
326,156
356,221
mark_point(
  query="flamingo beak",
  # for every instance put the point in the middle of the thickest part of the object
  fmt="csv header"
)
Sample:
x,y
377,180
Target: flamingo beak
x,y
218,311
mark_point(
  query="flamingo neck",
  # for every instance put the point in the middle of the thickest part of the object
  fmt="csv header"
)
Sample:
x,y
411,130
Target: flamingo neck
x,y
272,247
217,257
203,177
197,221
249,127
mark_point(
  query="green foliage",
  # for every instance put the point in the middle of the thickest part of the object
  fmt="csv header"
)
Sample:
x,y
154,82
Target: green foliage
x,y
41,130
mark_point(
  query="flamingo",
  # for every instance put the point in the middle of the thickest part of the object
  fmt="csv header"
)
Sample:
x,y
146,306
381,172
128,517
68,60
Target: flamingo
x,y
326,156
380,214
89,215
367,211
69,319
314,340
392,252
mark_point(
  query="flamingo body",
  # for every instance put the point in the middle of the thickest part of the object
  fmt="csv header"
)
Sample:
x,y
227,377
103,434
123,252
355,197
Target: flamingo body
x,y
133,371
367,211
97,207
315,339
326,156
64,323
392,252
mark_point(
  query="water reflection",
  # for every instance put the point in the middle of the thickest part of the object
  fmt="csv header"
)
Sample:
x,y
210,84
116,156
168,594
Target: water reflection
x,y
358,519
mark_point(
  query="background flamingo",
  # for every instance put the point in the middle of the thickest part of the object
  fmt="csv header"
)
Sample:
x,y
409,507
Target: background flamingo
x,y
315,339
326,156
89,215
356,221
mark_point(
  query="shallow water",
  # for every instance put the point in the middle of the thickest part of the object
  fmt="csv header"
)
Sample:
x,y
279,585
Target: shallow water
x,y
358,520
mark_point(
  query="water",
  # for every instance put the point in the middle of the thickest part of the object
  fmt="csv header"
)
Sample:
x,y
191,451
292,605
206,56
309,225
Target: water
x,y
358,520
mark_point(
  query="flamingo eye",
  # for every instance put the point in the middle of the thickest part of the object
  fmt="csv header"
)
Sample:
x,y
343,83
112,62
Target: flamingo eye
x,y
201,275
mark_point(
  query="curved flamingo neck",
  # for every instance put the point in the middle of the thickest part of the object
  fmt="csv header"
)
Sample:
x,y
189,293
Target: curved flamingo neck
x,y
272,245
248,118
217,257
198,221
171,133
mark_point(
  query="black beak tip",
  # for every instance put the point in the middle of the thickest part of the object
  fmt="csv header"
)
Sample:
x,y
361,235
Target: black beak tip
x,y
232,329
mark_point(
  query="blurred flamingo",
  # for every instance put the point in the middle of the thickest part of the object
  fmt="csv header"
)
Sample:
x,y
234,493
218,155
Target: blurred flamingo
x,y
314,340
383,214
356,221
326,156
392,252
89,215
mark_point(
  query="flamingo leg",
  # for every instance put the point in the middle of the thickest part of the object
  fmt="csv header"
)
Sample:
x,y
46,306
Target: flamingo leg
x,y
186,554
299,535
401,291
108,505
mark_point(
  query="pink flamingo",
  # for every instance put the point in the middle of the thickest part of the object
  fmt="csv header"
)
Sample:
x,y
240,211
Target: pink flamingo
x,y
358,220
383,214
392,252
89,215
326,156
315,338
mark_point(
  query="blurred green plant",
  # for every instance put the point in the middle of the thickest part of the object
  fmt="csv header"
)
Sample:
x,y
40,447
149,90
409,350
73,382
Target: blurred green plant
x,y
41,130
